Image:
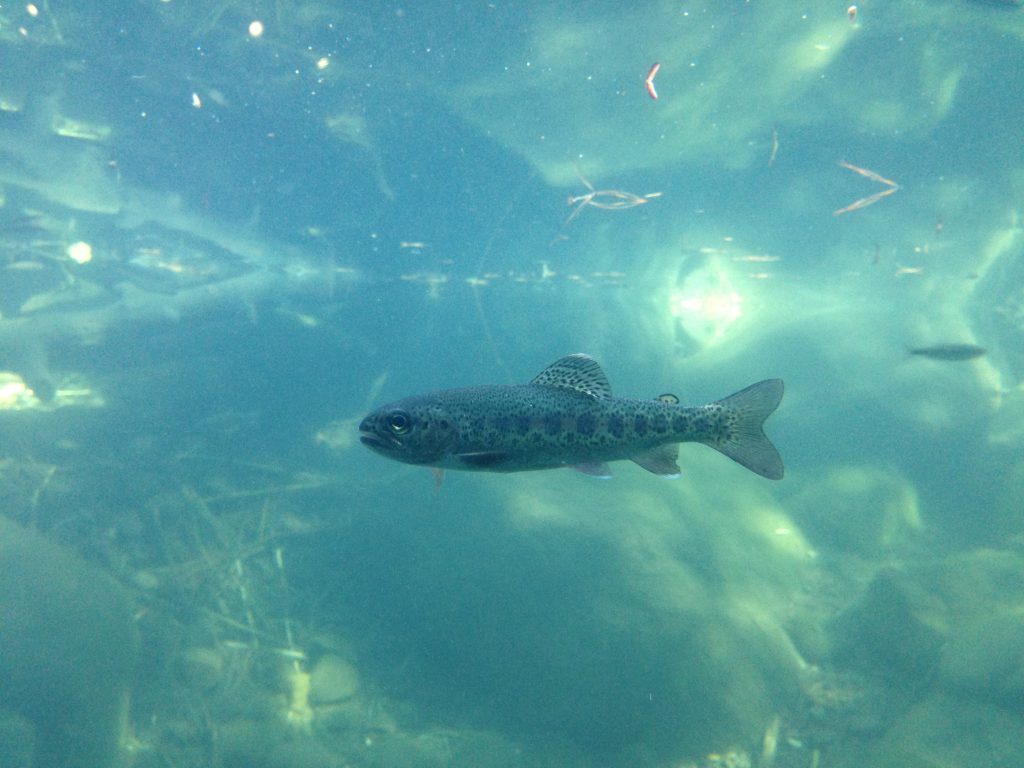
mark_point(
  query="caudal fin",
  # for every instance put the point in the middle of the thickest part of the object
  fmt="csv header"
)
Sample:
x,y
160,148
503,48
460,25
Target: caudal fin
x,y
744,441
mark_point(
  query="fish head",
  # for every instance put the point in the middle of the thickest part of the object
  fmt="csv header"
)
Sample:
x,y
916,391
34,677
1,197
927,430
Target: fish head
x,y
415,431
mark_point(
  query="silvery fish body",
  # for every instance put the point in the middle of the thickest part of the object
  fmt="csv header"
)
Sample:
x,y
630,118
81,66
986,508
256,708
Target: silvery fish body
x,y
567,416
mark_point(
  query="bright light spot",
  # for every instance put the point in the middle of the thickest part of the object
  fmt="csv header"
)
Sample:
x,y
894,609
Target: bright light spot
x,y
31,9
256,28
196,101
322,62
723,308
706,306
80,252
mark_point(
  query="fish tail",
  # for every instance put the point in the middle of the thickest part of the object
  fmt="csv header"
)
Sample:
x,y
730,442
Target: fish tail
x,y
744,440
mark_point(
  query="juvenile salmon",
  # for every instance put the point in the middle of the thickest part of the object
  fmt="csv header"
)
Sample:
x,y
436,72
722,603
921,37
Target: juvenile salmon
x,y
567,416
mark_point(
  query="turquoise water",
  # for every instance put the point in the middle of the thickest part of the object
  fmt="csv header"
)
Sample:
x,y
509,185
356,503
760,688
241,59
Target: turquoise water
x,y
223,243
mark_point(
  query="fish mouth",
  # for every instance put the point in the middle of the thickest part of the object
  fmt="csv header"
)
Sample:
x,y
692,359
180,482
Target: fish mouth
x,y
378,443
369,436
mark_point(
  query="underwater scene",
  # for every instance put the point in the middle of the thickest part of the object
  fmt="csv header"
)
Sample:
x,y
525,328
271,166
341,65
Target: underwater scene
x,y
511,384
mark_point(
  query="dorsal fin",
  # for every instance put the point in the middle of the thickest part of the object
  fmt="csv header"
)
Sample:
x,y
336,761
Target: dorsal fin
x,y
669,399
578,372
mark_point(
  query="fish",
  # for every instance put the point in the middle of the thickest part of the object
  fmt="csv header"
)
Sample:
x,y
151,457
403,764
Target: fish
x,y
949,351
566,416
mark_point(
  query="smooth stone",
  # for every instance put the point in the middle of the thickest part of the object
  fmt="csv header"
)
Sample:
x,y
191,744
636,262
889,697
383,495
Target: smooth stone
x,y
201,667
332,680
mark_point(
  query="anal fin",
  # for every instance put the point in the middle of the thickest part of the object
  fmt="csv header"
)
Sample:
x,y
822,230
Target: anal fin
x,y
660,460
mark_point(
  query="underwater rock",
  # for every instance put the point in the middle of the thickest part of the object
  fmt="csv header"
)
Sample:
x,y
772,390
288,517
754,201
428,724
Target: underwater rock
x,y
640,616
67,650
946,639
984,654
332,680
202,668
245,742
890,631
944,732
304,753
985,658
859,509
978,583
424,751
344,717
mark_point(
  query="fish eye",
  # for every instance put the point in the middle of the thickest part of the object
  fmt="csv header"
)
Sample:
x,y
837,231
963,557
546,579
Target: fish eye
x,y
398,422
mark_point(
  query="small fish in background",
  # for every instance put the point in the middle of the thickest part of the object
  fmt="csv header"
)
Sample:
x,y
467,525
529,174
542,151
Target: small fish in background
x,y
567,417
949,352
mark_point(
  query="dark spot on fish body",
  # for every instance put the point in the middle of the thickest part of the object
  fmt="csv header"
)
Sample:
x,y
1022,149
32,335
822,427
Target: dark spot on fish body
x,y
680,423
586,424
640,424
721,424
702,424
522,425
502,424
659,423
552,423
616,426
